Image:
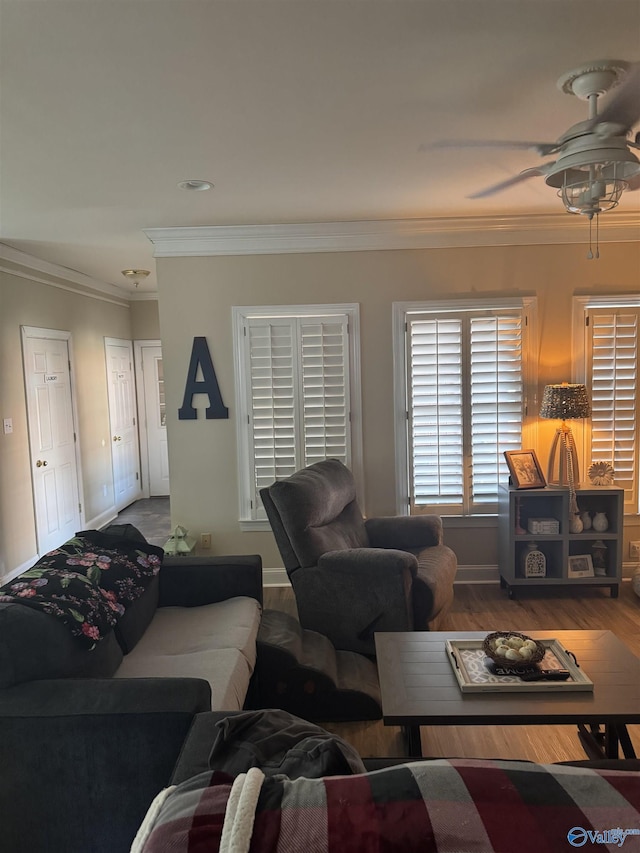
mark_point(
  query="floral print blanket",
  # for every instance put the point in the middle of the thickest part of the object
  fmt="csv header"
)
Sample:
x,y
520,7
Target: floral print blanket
x,y
88,582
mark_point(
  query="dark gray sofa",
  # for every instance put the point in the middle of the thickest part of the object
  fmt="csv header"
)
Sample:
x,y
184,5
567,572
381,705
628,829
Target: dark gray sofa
x,y
82,752
391,803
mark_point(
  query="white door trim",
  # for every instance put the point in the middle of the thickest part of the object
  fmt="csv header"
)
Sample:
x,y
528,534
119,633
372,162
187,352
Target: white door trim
x,y
58,334
138,346
143,429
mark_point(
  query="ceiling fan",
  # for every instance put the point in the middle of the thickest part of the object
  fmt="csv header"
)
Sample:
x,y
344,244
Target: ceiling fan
x,y
594,164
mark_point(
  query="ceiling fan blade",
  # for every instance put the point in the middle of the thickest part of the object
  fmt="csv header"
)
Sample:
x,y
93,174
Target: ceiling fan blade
x,y
634,183
516,179
623,109
542,148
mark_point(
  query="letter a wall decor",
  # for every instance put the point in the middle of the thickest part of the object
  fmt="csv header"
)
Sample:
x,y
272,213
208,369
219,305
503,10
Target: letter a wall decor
x,y
201,357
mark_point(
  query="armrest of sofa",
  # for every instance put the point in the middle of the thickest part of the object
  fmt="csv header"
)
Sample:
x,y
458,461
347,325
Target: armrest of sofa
x,y
195,581
353,593
74,697
404,531
82,759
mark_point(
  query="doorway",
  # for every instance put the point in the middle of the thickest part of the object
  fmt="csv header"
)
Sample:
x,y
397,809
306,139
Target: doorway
x,y
153,427
125,454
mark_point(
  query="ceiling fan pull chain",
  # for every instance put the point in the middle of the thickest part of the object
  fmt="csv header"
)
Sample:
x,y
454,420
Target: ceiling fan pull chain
x,y
597,236
590,253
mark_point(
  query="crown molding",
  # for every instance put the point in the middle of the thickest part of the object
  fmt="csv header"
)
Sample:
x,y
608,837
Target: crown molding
x,y
435,233
33,268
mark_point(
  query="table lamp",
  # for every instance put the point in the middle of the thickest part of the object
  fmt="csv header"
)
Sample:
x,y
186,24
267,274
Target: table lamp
x,y
564,402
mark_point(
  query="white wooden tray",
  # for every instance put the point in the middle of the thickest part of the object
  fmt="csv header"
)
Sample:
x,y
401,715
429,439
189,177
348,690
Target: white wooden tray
x,y
467,657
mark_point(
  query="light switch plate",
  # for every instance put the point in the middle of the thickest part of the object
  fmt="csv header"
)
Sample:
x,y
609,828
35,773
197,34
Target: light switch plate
x,y
7,425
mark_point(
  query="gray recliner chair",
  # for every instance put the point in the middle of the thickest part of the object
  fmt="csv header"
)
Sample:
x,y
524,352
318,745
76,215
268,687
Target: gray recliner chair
x,y
353,576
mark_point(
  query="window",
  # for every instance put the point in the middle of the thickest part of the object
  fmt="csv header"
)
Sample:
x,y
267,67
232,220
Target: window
x,y
463,377
608,366
297,393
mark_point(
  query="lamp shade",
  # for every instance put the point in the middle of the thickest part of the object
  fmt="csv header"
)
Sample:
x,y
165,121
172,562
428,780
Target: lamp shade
x,y
565,402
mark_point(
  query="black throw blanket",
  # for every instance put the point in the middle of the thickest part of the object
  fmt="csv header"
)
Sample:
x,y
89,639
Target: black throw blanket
x,y
88,582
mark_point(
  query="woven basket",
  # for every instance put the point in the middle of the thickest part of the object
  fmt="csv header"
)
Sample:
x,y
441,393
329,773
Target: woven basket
x,y
488,649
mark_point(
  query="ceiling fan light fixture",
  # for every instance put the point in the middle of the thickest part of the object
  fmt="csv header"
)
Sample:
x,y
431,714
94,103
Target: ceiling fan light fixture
x,y
593,195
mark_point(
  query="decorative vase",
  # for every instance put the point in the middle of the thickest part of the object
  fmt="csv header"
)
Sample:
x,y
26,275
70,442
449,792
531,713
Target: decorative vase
x,y
586,520
575,523
534,562
600,522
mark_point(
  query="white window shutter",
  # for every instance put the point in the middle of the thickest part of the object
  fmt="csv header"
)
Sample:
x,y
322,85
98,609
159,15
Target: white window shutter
x,y
496,401
272,406
298,396
324,391
466,406
613,377
436,411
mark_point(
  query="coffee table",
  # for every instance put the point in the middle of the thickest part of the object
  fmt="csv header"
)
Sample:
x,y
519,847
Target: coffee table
x,y
419,688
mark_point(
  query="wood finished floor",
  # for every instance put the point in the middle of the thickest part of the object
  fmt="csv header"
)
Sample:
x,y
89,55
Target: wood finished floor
x,y
476,607
485,607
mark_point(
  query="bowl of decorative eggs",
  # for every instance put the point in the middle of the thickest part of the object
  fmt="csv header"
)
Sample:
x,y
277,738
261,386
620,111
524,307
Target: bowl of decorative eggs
x,y
509,648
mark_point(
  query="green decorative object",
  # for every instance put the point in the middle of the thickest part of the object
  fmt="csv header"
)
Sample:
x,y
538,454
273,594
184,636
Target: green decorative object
x,y
179,542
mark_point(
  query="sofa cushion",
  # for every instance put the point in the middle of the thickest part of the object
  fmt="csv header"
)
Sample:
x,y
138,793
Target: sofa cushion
x,y
35,645
420,807
216,642
319,510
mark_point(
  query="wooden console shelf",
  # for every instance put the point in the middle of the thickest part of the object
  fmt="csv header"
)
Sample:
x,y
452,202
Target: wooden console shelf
x,y
518,506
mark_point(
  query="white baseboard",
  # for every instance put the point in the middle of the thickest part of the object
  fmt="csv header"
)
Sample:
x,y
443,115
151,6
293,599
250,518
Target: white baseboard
x,y
101,520
275,577
477,574
18,570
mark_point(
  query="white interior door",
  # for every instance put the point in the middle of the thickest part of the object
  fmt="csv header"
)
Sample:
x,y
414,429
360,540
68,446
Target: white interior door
x,y
122,417
155,418
54,467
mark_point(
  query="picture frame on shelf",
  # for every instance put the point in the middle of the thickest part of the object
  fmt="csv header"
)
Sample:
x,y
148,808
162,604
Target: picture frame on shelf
x,y
525,469
580,566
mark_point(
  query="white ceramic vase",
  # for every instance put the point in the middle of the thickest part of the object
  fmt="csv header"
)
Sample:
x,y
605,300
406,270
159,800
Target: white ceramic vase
x,y
586,520
600,522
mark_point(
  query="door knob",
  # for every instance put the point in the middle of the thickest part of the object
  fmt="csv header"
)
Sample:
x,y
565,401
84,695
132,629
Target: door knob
x,y
41,464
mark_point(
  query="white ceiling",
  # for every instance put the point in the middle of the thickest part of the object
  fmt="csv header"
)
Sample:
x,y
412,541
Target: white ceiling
x,y
297,111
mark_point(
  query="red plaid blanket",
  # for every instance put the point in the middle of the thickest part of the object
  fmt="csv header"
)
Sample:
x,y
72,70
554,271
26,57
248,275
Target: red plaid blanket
x,y
448,806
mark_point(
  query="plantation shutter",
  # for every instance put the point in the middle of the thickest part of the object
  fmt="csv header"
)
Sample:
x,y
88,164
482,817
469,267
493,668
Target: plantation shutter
x,y
466,407
436,411
496,401
613,377
298,396
272,372
325,389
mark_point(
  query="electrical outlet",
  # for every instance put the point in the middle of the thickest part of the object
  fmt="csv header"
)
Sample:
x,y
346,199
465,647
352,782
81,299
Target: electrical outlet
x,y
205,540
634,551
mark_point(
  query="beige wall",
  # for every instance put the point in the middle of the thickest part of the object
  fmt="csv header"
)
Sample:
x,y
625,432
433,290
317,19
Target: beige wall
x,y
145,320
196,296
24,301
